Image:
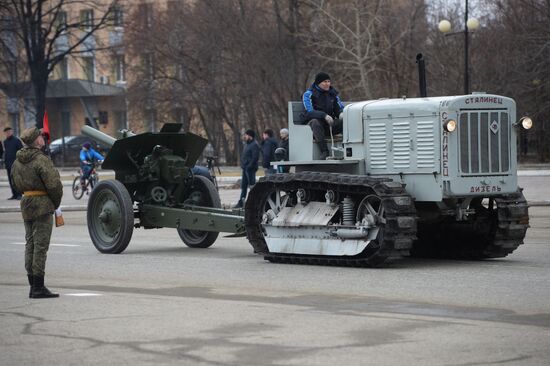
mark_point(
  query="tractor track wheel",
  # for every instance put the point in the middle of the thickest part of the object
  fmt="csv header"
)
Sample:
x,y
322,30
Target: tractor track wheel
x,y
203,193
493,232
110,217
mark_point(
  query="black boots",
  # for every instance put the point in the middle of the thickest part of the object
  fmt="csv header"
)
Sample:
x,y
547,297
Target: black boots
x,y
38,290
30,283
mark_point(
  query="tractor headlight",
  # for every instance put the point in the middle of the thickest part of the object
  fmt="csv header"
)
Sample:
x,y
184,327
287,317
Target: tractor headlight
x,y
450,125
526,123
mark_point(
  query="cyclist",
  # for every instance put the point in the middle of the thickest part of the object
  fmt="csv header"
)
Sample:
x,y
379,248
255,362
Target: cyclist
x,y
88,156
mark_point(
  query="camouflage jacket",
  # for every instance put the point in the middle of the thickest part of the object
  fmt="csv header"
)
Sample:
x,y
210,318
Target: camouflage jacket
x,y
34,171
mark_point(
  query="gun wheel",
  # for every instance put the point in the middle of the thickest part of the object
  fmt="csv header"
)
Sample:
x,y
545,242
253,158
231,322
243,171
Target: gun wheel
x,y
110,217
203,193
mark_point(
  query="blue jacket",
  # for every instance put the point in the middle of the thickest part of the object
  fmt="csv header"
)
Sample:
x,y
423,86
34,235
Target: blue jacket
x,y
318,103
268,151
90,155
250,156
11,146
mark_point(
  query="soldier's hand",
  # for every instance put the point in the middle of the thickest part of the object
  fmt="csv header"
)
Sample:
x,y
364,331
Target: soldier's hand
x,y
341,116
329,119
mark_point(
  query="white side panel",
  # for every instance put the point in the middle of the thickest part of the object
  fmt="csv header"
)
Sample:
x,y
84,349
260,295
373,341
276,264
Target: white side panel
x,y
307,246
425,145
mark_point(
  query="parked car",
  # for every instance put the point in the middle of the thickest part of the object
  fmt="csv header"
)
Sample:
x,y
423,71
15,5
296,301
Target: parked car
x,y
73,145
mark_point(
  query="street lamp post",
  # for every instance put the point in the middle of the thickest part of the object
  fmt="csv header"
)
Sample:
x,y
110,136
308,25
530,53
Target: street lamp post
x,y
469,25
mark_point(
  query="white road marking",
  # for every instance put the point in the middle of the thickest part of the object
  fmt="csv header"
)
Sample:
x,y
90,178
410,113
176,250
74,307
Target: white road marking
x,y
83,294
51,245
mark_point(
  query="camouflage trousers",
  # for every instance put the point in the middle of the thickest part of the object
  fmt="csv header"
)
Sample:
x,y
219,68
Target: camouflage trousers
x,y
37,235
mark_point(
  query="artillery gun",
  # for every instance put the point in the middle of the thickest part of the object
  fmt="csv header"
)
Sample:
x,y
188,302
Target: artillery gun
x,y
154,187
424,176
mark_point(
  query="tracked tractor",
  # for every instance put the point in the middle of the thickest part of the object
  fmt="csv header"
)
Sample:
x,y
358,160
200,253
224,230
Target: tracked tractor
x,y
420,176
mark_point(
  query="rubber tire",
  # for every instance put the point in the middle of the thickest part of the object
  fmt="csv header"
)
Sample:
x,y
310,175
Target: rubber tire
x,y
213,197
76,182
125,203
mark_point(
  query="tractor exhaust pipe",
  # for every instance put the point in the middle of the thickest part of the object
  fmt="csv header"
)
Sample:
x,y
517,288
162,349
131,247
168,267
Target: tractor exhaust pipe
x,y
421,75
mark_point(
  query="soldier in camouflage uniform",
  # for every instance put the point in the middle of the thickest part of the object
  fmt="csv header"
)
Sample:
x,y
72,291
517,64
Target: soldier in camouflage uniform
x,y
34,174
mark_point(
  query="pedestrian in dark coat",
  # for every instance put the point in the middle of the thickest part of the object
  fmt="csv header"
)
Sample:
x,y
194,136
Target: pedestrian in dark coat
x,y
269,145
35,176
323,110
11,145
283,134
1,151
249,164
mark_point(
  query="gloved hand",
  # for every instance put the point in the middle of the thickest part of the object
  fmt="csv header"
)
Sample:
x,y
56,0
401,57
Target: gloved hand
x,y
329,119
341,116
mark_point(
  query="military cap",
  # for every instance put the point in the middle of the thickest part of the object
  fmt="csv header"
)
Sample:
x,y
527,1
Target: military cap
x,y
30,135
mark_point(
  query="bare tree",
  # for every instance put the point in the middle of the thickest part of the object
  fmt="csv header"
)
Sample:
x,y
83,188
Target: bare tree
x,y
363,42
225,64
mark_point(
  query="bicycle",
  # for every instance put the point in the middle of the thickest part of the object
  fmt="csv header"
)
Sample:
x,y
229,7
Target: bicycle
x,y
90,182
211,165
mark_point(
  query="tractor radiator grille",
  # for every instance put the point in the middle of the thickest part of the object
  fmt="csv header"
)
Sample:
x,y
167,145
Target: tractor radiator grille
x,y
484,142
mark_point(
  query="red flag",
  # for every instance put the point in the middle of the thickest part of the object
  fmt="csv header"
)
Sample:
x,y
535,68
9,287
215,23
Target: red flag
x,y
46,126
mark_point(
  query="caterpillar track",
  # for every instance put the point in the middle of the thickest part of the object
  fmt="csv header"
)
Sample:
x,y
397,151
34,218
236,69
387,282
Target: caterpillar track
x,y
496,230
395,236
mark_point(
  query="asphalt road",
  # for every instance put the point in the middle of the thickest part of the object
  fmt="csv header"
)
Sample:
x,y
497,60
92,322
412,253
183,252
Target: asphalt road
x,y
163,303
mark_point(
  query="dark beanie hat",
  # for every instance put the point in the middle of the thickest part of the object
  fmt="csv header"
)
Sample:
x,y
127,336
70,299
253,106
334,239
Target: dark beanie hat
x,y
250,133
320,77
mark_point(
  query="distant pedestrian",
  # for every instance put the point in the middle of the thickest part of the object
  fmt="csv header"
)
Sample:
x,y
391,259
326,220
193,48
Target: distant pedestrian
x,y
12,144
1,151
284,144
249,164
269,145
34,175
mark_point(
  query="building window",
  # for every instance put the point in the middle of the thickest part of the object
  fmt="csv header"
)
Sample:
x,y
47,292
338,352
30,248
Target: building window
x,y
12,71
87,19
120,68
103,117
117,16
88,68
61,21
63,67
66,123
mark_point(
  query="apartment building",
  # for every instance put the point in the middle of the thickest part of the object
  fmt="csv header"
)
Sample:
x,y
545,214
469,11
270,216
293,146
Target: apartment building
x,y
87,87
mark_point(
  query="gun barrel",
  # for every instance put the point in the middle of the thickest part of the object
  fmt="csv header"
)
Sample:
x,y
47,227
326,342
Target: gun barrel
x,y
98,136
